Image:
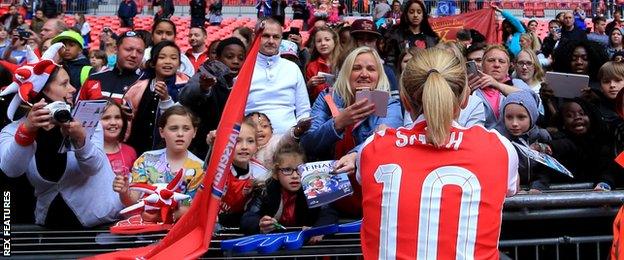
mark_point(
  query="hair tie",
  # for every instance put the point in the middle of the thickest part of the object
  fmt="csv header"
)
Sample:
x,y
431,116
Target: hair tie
x,y
432,71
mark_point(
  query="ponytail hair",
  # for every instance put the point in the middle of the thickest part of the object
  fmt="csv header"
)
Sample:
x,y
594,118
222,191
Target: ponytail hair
x,y
435,84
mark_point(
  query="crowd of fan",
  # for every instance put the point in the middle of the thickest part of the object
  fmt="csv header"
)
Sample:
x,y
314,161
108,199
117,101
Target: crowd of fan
x,y
164,105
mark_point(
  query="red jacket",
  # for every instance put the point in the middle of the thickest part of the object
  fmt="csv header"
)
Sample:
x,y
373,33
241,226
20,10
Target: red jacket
x,y
312,69
199,61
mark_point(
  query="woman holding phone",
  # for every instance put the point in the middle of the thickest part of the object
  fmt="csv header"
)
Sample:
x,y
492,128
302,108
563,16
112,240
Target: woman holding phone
x,y
341,122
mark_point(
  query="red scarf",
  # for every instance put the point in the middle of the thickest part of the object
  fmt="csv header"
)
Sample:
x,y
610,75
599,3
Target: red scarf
x,y
288,217
351,205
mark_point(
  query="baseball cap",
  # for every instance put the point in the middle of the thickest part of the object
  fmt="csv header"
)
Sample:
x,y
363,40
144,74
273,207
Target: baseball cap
x,y
361,26
69,35
288,48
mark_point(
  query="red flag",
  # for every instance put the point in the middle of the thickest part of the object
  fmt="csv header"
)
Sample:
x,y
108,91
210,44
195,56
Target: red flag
x,y
190,236
483,20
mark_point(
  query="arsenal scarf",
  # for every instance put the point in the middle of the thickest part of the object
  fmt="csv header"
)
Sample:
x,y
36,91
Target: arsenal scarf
x,y
190,236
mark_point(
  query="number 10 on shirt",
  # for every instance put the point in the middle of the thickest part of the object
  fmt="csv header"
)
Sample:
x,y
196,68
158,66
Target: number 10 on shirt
x,y
389,175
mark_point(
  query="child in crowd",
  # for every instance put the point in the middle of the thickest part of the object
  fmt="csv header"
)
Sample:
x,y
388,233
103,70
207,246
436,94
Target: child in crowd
x,y
583,147
115,124
245,34
611,77
289,50
268,141
517,122
208,90
156,91
177,127
245,172
77,64
83,27
15,52
110,48
165,30
98,60
281,200
5,40
212,50
325,49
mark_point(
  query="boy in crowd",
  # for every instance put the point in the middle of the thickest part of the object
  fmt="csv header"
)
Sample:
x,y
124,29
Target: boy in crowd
x,y
77,64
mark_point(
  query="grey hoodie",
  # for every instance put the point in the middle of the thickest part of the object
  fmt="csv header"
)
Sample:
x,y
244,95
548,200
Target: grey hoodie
x,y
529,100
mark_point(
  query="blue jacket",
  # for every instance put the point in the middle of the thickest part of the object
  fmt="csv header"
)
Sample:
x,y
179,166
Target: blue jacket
x,y
127,9
319,141
513,43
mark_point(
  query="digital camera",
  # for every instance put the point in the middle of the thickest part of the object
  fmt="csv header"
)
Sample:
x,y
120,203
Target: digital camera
x,y
23,34
59,111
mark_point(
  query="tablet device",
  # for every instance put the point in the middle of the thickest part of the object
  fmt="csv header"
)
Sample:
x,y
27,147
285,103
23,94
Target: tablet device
x,y
566,85
377,97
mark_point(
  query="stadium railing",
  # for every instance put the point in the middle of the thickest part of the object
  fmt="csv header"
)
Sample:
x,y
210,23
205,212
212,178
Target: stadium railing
x,y
571,223
526,8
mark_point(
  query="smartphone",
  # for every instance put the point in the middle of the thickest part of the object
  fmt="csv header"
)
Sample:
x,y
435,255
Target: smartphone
x,y
377,97
294,30
471,68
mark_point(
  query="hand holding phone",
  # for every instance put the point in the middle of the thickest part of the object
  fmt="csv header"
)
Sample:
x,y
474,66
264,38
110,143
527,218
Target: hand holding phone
x,y
471,68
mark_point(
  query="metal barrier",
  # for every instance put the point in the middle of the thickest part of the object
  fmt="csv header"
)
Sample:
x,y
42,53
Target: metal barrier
x,y
540,248
565,199
586,209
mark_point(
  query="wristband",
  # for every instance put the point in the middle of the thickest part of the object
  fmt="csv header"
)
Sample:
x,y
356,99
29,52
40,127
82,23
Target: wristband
x,y
23,137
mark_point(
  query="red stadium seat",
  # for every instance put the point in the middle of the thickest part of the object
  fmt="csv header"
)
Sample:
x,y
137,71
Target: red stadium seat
x,y
182,23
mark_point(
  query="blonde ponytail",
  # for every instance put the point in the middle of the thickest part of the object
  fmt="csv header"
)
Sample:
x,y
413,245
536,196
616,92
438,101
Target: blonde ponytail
x,y
438,104
434,83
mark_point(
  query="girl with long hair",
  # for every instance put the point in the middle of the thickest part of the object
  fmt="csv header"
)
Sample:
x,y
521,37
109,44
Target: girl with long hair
x,y
414,30
325,50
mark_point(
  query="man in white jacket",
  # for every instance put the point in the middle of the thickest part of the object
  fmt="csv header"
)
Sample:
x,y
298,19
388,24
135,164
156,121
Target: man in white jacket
x,y
278,88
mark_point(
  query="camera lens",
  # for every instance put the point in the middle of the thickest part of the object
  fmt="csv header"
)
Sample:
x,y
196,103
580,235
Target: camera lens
x,y
62,116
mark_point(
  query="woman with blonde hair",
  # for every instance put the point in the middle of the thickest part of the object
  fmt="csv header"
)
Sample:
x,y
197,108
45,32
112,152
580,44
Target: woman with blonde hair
x,y
527,68
528,41
481,164
340,122
338,114
456,48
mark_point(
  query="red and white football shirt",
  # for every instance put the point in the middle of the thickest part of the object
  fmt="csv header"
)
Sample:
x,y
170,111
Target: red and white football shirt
x,y
422,202
239,188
